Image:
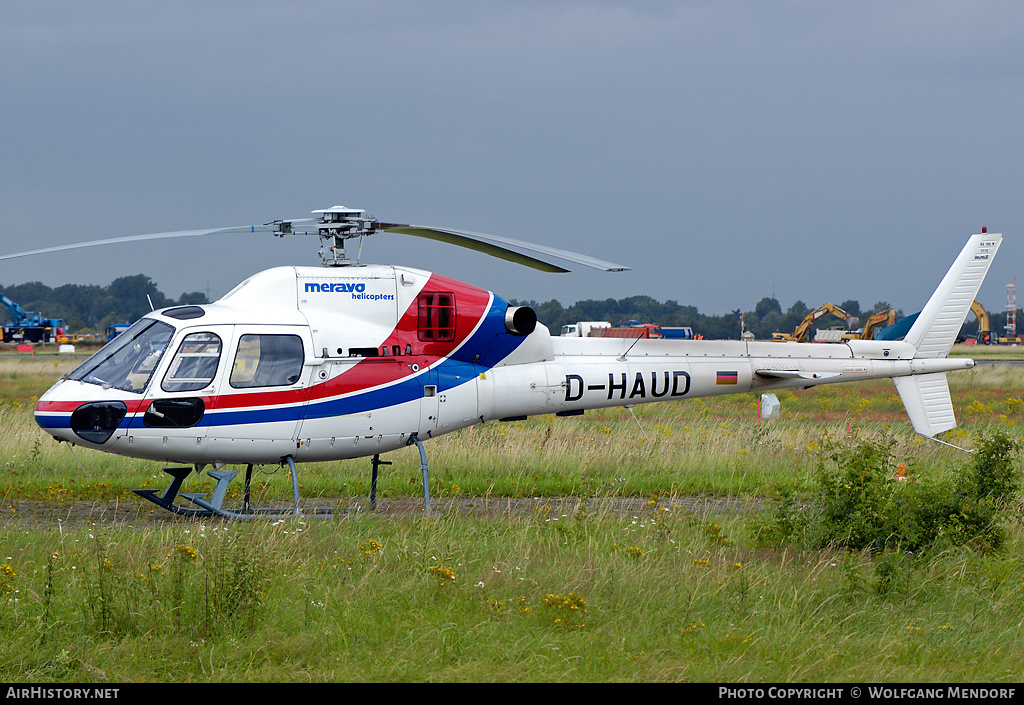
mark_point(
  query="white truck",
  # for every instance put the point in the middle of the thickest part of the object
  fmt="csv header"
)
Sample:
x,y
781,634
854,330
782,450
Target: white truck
x,y
581,329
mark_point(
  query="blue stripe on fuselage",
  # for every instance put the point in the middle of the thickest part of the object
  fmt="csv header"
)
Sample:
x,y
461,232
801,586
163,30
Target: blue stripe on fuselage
x,y
490,341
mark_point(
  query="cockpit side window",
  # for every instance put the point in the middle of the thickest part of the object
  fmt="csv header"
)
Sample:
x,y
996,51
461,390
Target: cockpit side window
x,y
264,360
195,363
129,360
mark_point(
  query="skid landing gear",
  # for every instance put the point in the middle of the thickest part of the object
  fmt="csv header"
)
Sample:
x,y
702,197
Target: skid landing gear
x,y
377,462
214,506
166,500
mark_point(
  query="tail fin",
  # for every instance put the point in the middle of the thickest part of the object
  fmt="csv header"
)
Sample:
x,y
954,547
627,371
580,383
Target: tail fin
x,y
926,396
939,322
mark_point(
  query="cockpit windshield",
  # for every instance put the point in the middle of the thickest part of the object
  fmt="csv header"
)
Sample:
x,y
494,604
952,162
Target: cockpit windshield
x,y
129,360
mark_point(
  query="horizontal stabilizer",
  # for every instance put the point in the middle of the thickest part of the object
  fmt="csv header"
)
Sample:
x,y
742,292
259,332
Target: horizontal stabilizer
x,y
928,404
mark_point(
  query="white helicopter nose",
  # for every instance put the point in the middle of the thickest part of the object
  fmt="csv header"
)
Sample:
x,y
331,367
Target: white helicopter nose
x,y
96,421
68,415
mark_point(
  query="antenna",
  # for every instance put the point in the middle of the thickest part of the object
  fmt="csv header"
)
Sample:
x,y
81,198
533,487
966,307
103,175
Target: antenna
x,y
622,357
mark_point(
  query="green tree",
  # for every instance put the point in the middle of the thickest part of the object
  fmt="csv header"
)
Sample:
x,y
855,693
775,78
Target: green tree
x,y
851,307
765,306
137,295
192,297
798,309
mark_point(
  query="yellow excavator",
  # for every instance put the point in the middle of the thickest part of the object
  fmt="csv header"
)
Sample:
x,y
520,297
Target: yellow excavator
x,y
878,320
984,335
882,319
800,333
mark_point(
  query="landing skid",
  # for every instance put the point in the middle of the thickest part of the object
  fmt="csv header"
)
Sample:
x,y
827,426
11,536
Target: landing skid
x,y
166,500
214,506
376,462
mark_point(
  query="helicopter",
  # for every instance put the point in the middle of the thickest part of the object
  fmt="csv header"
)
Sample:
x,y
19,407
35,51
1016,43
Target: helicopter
x,y
347,360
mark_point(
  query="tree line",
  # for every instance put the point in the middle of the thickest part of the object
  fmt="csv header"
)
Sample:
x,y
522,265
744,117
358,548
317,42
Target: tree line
x,y
85,307
765,318
92,307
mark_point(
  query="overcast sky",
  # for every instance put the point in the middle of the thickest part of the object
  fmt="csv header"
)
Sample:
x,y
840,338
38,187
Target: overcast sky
x,y
726,151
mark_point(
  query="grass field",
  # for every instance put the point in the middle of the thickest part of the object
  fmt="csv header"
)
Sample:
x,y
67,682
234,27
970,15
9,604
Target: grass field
x,y
663,592
989,352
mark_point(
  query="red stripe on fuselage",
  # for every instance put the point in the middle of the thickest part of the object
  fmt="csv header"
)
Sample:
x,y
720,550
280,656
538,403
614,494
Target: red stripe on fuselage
x,y
58,407
471,305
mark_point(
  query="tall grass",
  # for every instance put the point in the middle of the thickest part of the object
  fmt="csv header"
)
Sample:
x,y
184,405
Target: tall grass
x,y
558,592
660,595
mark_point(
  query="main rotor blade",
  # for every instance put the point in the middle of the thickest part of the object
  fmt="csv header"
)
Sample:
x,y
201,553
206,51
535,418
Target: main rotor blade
x,y
492,245
269,228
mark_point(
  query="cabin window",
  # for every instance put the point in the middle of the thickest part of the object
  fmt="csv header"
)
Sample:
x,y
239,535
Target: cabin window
x,y
195,363
436,321
267,361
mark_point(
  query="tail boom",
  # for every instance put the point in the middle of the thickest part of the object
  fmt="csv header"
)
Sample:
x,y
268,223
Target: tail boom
x,y
591,373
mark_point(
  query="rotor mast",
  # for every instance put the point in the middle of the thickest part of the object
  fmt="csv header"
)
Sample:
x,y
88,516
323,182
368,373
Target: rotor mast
x,y
338,224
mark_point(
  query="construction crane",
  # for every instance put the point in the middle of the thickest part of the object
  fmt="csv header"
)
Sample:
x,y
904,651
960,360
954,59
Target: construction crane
x,y
28,326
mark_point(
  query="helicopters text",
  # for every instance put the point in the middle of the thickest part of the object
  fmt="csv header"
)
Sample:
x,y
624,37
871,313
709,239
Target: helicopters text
x,y
300,364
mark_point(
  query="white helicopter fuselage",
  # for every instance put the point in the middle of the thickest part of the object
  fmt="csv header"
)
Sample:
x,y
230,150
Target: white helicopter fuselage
x,y
330,363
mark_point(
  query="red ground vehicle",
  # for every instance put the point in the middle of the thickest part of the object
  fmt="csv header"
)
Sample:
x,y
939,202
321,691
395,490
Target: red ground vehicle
x,y
642,330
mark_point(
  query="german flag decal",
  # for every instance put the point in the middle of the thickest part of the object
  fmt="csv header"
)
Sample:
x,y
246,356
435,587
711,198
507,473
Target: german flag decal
x,y
728,377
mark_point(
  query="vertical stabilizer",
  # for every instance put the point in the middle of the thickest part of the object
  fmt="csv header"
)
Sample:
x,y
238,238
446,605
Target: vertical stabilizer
x,y
936,328
926,396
